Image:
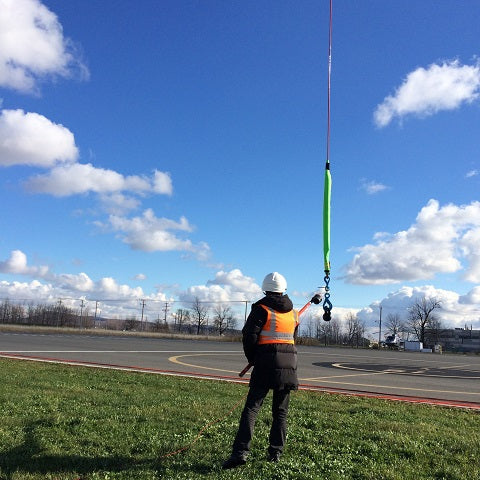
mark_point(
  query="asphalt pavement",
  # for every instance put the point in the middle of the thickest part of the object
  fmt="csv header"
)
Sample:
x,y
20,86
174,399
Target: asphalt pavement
x,y
414,376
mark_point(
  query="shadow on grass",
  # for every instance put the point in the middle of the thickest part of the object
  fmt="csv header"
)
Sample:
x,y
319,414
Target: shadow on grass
x,y
29,457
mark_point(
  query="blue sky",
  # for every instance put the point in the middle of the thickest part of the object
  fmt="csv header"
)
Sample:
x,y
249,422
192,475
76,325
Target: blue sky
x,y
166,150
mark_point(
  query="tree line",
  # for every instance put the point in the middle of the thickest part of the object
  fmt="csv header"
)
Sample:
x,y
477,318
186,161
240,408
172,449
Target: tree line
x,y
350,332
421,321
52,315
200,318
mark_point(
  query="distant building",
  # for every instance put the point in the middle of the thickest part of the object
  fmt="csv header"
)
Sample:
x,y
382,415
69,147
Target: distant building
x,y
454,339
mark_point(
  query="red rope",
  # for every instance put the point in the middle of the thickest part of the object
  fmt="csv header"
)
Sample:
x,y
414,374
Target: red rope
x,y
329,81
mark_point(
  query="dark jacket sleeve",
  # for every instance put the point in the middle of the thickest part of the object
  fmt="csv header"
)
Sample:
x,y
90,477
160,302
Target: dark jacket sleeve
x,y
253,326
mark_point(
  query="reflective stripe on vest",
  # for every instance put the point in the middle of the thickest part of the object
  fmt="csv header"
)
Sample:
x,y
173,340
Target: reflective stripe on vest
x,y
279,327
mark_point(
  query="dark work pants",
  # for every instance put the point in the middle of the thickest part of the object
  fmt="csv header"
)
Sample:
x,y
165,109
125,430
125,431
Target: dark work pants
x,y
278,431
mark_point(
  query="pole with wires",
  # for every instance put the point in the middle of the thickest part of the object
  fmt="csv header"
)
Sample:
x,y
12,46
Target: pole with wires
x,y
327,188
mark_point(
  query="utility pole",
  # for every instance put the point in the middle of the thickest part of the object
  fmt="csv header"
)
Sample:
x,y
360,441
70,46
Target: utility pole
x,y
81,312
165,309
380,329
96,311
58,312
141,321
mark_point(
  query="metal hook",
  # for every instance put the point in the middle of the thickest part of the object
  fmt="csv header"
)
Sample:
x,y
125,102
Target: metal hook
x,y
327,304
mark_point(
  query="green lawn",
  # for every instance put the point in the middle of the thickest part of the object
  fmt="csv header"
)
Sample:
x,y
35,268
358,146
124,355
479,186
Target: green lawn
x,y
59,422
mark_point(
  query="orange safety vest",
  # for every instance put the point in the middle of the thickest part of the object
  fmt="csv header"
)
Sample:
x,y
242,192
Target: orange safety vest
x,y
279,327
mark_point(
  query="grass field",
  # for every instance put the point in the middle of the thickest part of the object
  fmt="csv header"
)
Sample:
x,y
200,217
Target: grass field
x,y
60,422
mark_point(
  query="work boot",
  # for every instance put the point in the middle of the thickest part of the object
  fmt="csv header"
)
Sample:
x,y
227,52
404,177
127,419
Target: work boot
x,y
235,460
274,457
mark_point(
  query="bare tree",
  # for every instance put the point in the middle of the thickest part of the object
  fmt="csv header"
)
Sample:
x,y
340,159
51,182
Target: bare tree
x,y
355,330
360,333
6,311
56,315
324,331
336,331
199,313
131,323
309,325
160,325
421,316
223,318
180,318
435,327
330,333
351,324
394,323
17,314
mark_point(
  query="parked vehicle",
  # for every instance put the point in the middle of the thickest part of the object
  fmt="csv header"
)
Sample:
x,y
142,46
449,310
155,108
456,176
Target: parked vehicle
x,y
392,341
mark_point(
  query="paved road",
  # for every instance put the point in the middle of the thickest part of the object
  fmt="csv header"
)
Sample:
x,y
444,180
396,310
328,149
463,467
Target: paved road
x,y
445,377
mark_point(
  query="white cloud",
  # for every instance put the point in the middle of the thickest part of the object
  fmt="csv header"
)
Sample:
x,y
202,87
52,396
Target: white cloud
x,y
74,179
470,247
17,264
227,286
455,310
150,234
434,244
472,173
471,298
140,277
32,46
235,280
372,187
118,203
79,283
428,91
34,291
162,183
50,287
106,296
122,300
108,287
213,293
31,139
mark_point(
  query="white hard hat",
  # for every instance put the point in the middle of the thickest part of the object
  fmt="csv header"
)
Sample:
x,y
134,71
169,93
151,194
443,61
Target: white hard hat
x,y
274,282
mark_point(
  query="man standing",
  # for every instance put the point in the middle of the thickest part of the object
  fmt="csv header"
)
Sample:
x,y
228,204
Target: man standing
x,y
269,344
